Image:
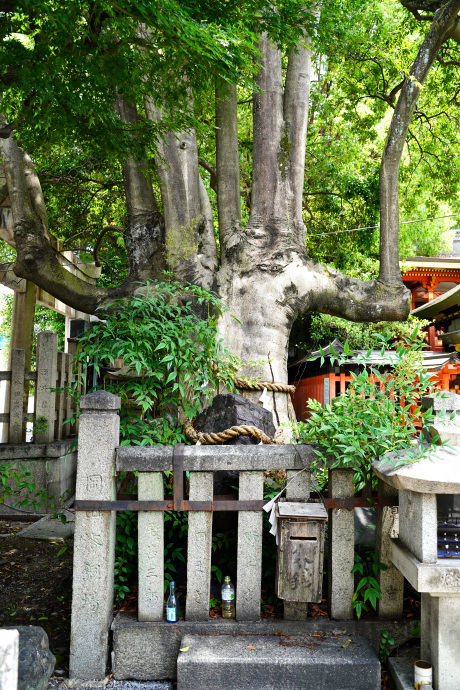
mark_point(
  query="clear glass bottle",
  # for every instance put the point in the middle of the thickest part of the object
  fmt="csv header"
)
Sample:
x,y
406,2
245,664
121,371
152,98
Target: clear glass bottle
x,y
172,605
228,598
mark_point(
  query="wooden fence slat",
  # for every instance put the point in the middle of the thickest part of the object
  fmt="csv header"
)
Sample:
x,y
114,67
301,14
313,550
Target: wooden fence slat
x,y
46,379
297,489
151,549
199,549
249,559
16,432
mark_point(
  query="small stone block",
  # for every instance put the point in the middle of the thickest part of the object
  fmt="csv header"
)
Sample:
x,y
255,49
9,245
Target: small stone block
x,y
9,658
36,663
264,662
444,401
100,400
401,670
418,524
447,433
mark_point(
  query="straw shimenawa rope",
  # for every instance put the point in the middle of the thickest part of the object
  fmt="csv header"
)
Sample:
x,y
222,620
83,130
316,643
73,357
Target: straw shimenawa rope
x,y
242,384
243,429
212,439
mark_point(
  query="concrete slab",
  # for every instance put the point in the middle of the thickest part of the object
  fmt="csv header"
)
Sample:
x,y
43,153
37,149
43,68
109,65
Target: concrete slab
x,y
401,670
49,530
257,662
149,650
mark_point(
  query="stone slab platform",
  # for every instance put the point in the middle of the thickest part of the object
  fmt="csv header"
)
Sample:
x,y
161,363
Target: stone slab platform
x,y
149,650
401,670
266,662
48,529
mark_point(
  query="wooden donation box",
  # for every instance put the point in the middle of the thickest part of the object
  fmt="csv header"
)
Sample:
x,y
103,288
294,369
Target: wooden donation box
x,y
299,571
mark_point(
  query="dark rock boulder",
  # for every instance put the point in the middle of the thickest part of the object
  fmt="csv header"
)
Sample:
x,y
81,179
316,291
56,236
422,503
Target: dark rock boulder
x,y
227,411
36,663
234,410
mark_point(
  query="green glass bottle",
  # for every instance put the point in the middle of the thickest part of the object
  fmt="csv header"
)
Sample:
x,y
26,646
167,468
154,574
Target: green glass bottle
x,y
172,605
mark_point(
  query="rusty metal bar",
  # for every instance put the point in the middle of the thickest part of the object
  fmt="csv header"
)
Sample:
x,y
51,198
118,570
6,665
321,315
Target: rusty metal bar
x,y
225,505
215,505
178,476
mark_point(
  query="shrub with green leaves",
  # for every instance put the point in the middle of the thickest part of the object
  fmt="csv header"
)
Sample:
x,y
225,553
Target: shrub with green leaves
x,y
366,570
17,485
377,413
172,356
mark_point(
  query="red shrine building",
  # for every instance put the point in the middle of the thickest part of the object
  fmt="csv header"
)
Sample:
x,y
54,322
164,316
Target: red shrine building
x,y
430,279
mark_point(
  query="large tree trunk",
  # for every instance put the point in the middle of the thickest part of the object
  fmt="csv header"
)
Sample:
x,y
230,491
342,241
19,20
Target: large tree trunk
x,y
265,276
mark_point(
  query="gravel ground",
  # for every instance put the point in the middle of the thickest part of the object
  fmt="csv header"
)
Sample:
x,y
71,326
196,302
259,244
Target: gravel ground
x,y
57,683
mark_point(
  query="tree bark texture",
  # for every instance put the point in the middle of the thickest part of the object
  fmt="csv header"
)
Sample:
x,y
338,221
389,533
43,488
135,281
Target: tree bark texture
x,y
264,275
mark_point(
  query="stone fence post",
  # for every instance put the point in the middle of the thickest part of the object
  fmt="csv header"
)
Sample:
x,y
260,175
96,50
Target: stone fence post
x,y
391,581
94,543
45,399
341,547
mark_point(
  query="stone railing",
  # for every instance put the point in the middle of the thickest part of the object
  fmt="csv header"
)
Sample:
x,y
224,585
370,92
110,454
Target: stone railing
x,y
51,409
100,459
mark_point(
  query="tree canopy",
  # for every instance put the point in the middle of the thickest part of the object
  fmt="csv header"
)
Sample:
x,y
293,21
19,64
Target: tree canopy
x,y
115,104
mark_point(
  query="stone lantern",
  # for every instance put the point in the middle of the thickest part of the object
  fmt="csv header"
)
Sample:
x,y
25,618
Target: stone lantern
x,y
426,552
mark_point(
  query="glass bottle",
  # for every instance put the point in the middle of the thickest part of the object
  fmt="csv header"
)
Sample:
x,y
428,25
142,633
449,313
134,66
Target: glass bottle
x,y
228,598
172,605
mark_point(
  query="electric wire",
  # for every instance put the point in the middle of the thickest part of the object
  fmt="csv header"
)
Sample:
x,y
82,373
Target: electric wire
x,y
372,227
321,234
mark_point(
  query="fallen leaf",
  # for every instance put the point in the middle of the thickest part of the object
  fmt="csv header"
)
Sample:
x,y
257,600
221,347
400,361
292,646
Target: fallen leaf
x,y
251,647
184,649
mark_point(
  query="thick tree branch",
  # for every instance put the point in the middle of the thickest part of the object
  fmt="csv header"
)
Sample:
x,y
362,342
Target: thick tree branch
x,y
190,244
36,260
97,244
296,102
390,273
270,166
211,170
144,236
227,168
314,287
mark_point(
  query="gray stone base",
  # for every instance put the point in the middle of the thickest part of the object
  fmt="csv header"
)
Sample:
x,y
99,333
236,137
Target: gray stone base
x,y
52,468
264,662
401,670
149,651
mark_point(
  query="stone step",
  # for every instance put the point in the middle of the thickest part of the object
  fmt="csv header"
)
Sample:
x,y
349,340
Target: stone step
x,y
277,662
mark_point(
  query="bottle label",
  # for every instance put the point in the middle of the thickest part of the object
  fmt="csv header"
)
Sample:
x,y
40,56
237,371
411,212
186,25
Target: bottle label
x,y
228,596
171,614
